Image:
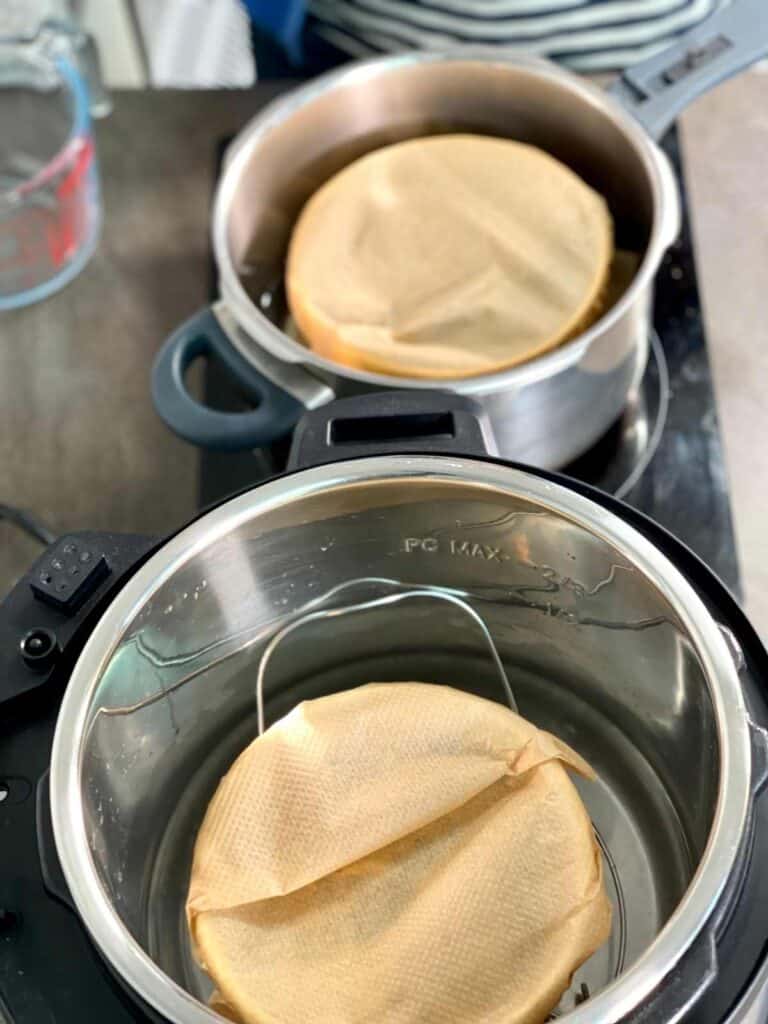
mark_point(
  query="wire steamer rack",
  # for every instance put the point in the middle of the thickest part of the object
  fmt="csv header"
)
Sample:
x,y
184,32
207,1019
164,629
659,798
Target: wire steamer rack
x,y
356,597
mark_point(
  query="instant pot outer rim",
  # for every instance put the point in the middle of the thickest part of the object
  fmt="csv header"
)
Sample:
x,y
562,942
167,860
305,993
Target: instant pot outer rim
x,y
123,953
664,229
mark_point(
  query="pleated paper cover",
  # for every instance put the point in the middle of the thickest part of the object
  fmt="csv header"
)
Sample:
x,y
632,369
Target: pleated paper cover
x,y
448,256
401,852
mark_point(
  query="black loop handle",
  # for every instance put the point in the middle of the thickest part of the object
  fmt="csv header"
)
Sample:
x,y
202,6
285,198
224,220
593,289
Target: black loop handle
x,y
276,411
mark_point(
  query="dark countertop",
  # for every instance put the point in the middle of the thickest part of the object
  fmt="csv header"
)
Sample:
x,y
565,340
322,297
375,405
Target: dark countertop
x,y
80,443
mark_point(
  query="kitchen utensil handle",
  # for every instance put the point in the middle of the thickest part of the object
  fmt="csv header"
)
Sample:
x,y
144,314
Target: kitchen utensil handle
x,y
391,422
656,90
276,412
89,63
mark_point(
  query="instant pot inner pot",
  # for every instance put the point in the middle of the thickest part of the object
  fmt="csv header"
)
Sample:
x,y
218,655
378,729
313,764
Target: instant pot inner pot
x,y
592,649
389,102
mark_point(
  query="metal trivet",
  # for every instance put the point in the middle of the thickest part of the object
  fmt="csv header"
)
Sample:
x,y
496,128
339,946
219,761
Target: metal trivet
x,y
396,592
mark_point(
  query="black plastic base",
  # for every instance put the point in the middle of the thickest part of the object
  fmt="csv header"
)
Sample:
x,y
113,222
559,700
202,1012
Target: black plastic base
x,y
49,971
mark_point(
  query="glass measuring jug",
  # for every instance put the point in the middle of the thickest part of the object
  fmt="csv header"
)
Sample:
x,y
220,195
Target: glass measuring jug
x,y
50,209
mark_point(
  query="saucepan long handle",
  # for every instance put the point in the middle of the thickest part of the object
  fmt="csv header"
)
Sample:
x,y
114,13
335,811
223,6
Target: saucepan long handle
x,y
731,39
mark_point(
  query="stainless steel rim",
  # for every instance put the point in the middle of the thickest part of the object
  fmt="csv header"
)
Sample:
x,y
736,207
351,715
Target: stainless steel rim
x,y
260,330
696,908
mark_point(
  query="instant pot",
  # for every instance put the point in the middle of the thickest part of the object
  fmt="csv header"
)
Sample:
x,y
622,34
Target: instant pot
x,y
128,687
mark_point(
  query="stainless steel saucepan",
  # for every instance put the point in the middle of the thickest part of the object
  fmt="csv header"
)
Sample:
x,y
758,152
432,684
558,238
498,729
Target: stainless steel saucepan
x,y
544,412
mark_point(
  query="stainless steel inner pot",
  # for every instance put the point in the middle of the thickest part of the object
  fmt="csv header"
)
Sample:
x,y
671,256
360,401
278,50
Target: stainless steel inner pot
x,y
604,643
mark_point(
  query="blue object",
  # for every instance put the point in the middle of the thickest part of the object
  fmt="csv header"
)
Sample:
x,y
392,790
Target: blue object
x,y
276,413
283,20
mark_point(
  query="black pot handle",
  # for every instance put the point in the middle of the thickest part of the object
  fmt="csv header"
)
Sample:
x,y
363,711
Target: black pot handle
x,y
276,411
391,422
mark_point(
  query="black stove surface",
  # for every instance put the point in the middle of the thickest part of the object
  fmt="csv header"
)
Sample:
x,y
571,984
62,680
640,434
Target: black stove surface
x,y
684,485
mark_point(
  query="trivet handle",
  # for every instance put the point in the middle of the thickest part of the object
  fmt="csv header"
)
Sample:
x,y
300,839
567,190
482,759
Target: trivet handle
x,y
392,423
655,91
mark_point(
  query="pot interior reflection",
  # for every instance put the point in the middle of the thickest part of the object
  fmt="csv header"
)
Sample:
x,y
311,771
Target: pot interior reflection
x,y
592,647
326,128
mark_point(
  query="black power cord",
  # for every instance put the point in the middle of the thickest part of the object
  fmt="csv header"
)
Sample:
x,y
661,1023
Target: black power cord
x,y
28,523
